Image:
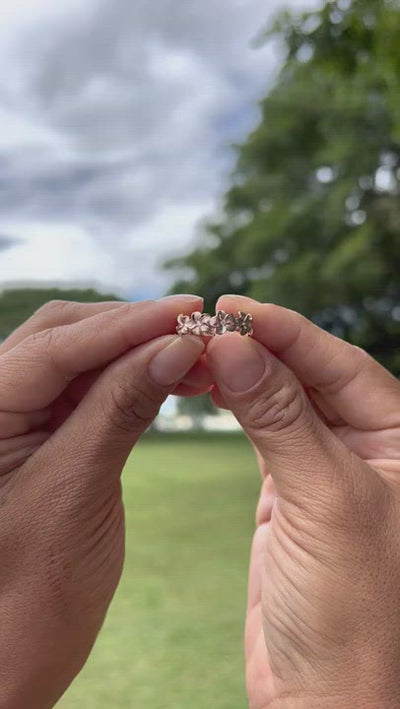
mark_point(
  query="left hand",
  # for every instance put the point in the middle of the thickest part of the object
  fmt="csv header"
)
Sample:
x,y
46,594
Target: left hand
x,y
79,385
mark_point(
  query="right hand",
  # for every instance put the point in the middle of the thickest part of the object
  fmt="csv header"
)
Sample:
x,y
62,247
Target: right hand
x,y
323,618
79,384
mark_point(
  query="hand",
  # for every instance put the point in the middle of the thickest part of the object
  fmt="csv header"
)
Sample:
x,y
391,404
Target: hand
x,y
323,621
79,384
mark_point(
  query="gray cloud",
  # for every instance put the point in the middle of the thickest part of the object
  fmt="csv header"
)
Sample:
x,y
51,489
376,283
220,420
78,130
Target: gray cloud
x,y
6,242
131,109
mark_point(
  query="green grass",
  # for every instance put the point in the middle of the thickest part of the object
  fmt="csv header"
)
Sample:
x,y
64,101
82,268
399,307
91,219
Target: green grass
x,y
173,635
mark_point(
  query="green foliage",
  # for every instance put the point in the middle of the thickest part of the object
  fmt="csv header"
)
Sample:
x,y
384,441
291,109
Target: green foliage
x,y
312,217
17,305
173,638
197,407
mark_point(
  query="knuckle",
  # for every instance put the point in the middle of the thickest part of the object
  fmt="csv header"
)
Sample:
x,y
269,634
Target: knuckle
x,y
131,407
278,409
47,344
44,339
55,308
128,309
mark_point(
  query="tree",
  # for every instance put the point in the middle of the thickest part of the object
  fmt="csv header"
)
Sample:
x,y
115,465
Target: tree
x,y
312,216
197,407
18,304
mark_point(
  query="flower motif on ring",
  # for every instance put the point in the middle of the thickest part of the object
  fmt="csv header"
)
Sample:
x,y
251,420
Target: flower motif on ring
x,y
184,325
245,324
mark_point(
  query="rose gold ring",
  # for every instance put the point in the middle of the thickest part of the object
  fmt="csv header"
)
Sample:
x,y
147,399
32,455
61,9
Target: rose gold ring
x,y
207,325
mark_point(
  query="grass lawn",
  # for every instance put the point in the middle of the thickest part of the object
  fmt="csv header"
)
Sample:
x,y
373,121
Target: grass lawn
x,y
173,636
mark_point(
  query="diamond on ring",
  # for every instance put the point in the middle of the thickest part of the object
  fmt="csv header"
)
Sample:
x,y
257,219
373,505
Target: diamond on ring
x,y
207,325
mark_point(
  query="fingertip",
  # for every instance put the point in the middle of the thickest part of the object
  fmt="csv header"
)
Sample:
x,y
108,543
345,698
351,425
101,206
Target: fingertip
x,y
199,376
174,360
182,298
188,392
185,304
237,363
230,301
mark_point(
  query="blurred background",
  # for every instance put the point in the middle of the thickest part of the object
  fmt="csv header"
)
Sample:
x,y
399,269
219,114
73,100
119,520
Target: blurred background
x,y
148,148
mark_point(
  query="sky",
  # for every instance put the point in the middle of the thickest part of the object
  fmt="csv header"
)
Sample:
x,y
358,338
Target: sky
x,y
116,124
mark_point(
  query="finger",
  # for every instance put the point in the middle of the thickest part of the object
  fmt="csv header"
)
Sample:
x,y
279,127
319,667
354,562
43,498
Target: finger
x,y
259,677
257,563
197,381
16,451
186,391
268,492
36,371
199,376
271,405
55,313
352,386
217,398
266,501
261,463
16,424
120,406
254,592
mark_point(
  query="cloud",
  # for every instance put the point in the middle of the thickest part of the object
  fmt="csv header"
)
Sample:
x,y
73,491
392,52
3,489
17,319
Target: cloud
x,y
6,242
68,256
115,124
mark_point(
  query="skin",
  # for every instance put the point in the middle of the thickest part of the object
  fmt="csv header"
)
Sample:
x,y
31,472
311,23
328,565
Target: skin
x,y
80,383
323,612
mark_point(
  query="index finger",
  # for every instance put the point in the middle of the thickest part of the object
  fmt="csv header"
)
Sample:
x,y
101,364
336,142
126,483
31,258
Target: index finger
x,y
55,313
35,372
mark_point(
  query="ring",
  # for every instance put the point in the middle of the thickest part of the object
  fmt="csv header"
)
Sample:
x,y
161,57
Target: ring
x,y
207,325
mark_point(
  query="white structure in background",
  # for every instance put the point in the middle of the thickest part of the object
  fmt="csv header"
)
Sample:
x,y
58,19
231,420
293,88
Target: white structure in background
x,y
223,421
168,423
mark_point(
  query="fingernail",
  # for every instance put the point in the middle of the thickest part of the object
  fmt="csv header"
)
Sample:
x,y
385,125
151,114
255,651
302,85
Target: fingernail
x,y
175,360
237,362
182,296
242,297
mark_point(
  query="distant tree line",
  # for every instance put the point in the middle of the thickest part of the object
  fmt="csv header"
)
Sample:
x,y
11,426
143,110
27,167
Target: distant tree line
x,y
18,304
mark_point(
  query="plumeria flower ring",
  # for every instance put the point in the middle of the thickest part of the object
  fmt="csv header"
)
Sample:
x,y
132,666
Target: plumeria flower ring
x,y
205,325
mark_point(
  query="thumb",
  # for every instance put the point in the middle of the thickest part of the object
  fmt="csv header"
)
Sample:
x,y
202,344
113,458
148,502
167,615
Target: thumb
x,y
122,404
299,451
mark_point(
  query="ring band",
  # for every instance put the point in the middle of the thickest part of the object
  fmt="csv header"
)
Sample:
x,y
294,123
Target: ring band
x,y
207,325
